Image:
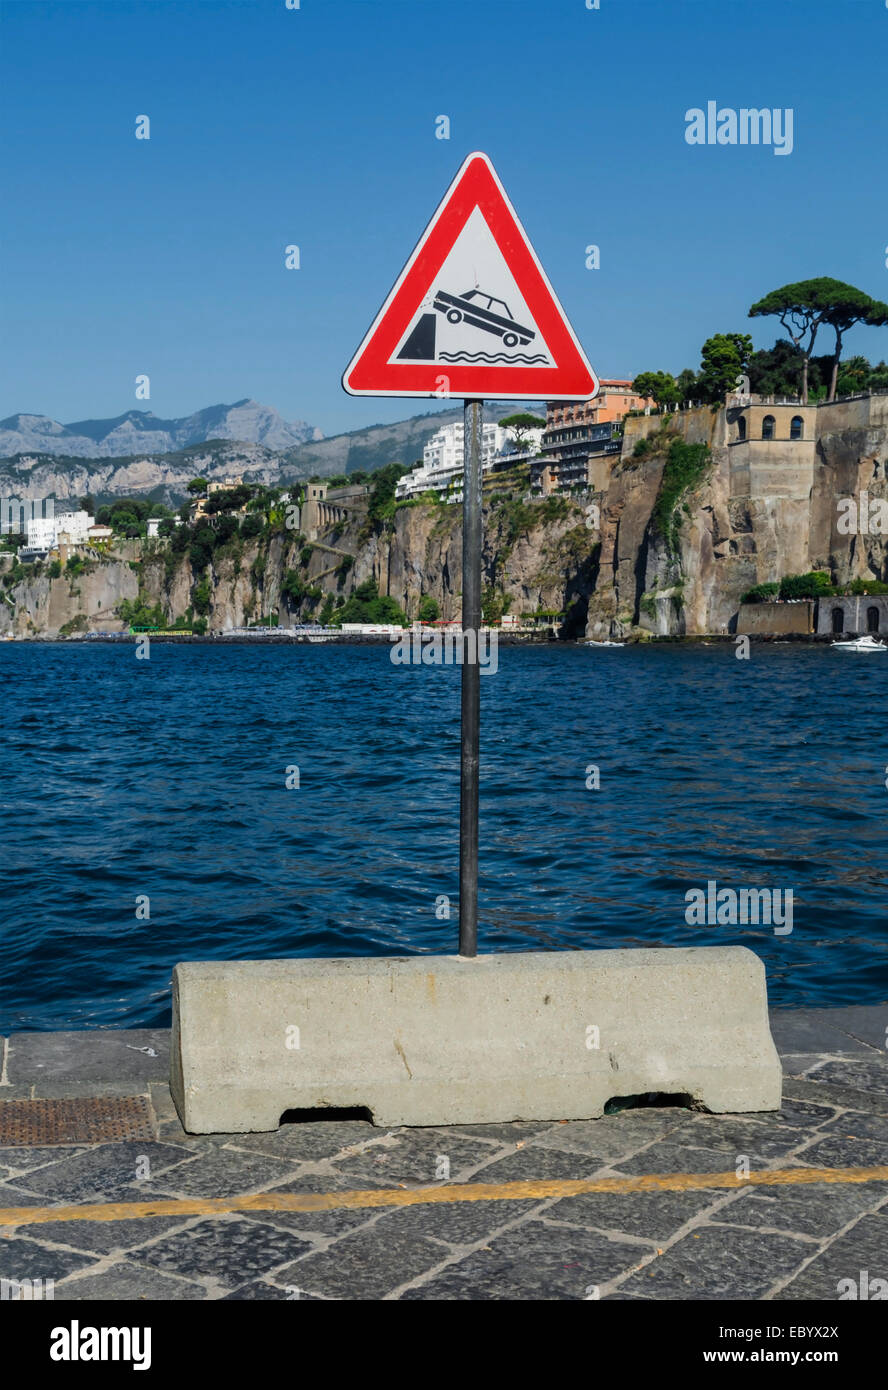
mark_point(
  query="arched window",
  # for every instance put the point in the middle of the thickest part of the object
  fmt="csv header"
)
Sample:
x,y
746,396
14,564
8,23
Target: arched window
x,y
768,427
796,428
838,620
741,426
872,619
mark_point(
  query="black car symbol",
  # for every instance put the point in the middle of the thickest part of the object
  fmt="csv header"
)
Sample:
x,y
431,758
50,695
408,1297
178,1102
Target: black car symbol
x,y
482,311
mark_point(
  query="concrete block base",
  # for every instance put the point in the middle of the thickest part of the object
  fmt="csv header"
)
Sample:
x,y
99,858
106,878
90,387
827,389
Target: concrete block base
x,y
440,1040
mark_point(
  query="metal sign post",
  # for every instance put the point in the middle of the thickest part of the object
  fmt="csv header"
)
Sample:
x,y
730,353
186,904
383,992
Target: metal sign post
x,y
470,711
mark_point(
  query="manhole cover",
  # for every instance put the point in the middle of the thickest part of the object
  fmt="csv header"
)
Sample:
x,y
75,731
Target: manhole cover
x,y
92,1120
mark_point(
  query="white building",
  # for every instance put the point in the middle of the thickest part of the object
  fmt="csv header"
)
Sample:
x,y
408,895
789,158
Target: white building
x,y
44,533
441,469
41,533
72,527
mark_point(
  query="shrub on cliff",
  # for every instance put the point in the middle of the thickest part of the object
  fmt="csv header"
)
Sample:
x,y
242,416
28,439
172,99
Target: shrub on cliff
x,y
685,469
814,584
760,593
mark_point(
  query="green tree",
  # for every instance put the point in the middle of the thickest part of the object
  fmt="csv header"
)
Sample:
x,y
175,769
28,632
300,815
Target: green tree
x,y
686,383
724,357
201,597
519,425
197,486
428,609
846,307
659,386
806,304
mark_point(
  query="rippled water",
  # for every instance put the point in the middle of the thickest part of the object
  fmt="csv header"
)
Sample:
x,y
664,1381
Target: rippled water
x,y
167,778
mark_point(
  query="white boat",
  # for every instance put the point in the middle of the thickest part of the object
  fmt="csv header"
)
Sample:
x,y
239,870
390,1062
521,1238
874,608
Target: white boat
x,y
604,644
860,644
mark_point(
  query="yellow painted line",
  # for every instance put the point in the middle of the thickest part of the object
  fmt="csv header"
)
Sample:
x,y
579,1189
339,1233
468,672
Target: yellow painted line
x,y
535,1190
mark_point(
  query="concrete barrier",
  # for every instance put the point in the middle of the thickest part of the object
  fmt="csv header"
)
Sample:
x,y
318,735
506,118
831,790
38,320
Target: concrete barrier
x,y
437,1040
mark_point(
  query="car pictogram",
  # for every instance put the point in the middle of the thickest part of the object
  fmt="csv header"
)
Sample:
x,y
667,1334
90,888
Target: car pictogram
x,y
482,311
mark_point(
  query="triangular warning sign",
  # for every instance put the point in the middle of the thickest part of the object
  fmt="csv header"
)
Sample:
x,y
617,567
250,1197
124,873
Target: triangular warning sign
x,y
472,313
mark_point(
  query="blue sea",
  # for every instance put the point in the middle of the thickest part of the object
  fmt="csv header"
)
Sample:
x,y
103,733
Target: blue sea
x,y
146,817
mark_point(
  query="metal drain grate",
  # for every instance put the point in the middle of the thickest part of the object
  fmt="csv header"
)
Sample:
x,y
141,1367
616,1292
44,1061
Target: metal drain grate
x,y
90,1120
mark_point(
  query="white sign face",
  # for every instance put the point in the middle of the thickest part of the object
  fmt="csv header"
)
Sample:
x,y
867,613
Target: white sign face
x,y
474,312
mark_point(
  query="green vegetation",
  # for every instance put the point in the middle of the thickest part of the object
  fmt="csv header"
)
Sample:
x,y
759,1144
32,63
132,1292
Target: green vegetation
x,y
660,386
814,584
201,597
367,605
429,611
725,357
139,613
55,569
494,603
685,468
804,306
519,425
760,593
79,623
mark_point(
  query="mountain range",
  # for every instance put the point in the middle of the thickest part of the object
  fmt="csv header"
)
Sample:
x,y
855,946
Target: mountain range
x,y
47,466
143,432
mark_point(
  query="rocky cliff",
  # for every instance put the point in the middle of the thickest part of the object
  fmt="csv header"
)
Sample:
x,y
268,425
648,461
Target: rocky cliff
x,y
666,549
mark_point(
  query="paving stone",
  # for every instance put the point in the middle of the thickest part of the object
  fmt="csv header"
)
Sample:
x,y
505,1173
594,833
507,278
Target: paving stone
x,y
125,1282
868,1022
530,1164
796,1065
321,1222
532,1262
259,1291
613,1136
854,1124
25,1160
734,1135
653,1216
102,1172
228,1249
223,1173
107,1237
14,1093
841,1152
310,1142
93,1055
23,1257
864,1247
860,1076
457,1223
411,1155
815,1030
86,1090
12,1196
844,1097
815,1209
801,1114
681,1158
502,1133
719,1263
364,1265
162,1101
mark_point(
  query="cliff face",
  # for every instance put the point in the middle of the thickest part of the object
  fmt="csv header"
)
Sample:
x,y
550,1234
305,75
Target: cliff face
x,y
638,565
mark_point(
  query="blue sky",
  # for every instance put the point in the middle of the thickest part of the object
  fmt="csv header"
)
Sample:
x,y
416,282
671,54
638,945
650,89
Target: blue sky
x,y
316,126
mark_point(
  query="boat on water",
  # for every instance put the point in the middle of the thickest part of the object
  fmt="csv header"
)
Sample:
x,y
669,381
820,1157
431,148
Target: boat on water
x,y
860,644
591,643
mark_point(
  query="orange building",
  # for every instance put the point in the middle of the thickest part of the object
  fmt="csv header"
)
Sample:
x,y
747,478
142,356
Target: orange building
x,y
582,438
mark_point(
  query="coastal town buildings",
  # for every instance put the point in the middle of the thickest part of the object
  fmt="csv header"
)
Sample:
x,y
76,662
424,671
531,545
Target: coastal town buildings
x,y
582,439
441,469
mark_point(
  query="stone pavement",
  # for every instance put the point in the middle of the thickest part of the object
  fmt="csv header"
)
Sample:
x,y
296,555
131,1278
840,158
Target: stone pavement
x,y
675,1239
